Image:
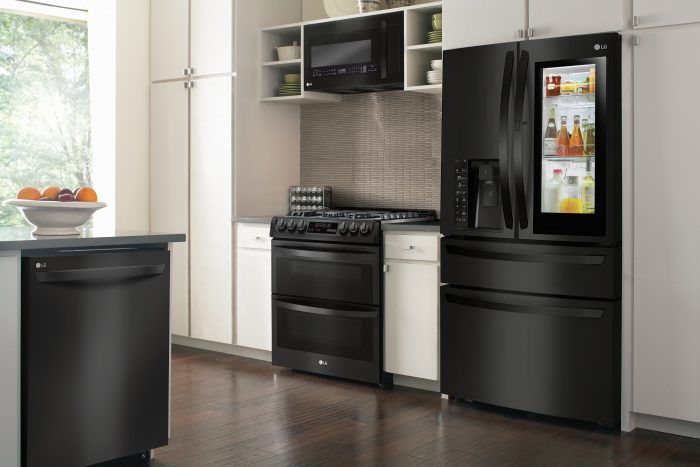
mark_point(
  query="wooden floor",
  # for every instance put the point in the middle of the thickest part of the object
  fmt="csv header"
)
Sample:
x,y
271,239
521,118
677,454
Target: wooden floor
x,y
229,411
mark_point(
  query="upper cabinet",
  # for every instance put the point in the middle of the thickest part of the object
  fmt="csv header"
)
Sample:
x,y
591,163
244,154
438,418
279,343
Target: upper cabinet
x,y
650,13
549,19
211,44
169,39
468,23
191,37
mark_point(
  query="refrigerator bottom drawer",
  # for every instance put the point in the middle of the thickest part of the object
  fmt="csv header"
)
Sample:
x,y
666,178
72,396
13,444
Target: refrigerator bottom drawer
x,y
552,356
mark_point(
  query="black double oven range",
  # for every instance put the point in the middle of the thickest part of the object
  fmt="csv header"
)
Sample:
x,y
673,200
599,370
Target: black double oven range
x,y
327,291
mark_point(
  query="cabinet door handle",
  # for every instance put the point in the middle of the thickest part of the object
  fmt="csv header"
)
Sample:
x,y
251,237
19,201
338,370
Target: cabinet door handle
x,y
186,72
530,32
521,33
385,268
255,239
635,21
409,247
191,71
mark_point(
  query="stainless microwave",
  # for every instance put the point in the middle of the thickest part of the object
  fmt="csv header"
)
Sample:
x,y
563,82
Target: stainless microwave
x,y
354,55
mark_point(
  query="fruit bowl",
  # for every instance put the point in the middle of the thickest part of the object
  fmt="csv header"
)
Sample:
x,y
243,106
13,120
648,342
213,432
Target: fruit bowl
x,y
56,217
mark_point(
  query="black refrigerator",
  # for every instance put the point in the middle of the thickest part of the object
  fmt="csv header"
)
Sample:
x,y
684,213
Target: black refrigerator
x,y
531,218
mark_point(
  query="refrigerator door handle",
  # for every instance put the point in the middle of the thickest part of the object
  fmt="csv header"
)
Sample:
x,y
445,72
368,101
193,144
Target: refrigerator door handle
x,y
546,310
521,126
503,138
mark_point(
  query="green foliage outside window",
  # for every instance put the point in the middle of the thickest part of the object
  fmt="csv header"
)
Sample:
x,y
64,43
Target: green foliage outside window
x,y
44,107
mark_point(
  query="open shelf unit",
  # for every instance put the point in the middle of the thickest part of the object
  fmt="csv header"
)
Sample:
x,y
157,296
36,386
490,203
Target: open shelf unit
x,y
272,71
417,55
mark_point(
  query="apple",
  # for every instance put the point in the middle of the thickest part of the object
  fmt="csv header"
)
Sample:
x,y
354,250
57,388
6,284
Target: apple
x,y
65,191
66,197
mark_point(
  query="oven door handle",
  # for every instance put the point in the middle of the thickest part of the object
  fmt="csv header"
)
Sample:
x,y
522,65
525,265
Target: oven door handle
x,y
359,256
315,310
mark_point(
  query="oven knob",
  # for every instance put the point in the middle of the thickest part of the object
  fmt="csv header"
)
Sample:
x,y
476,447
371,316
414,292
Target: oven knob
x,y
292,225
302,226
281,224
353,228
365,228
343,228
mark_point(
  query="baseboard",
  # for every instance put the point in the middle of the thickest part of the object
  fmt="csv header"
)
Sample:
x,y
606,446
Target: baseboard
x,y
668,425
229,349
417,383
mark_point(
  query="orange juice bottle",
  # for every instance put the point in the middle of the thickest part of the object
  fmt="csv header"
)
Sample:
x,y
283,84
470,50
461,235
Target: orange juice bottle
x,y
576,141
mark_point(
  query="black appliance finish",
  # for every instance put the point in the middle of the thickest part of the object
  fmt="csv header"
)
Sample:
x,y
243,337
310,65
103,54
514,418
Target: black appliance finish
x,y
530,313
95,355
327,292
354,55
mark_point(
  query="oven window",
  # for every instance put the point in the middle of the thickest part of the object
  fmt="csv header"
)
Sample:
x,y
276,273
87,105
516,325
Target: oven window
x,y
326,335
332,280
341,53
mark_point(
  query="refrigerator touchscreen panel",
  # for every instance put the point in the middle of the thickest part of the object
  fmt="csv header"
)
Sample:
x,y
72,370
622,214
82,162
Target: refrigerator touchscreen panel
x,y
568,142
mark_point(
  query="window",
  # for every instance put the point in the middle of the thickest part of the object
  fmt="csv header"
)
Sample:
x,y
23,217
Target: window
x,y
44,107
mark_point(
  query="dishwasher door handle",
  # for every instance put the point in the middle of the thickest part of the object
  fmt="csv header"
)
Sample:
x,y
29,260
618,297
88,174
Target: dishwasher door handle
x,y
118,272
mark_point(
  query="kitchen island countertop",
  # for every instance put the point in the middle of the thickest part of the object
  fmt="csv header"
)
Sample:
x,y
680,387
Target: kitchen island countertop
x,y
21,238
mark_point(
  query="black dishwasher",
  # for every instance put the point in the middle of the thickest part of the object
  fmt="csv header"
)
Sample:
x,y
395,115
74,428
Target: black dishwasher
x,y
95,355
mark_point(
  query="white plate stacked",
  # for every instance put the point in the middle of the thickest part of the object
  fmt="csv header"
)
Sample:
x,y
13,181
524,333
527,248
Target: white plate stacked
x,y
434,76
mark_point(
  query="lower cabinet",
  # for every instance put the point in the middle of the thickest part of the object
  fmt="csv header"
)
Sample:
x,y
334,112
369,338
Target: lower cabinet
x,y
411,305
253,286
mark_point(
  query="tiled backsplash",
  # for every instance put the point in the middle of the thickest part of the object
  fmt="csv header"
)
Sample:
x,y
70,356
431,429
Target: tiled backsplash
x,y
375,149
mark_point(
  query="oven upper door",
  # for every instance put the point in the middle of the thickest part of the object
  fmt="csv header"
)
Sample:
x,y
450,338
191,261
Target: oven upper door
x,y
325,271
353,55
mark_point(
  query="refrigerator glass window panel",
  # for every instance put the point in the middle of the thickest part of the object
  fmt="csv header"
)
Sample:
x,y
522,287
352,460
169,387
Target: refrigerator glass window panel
x,y
568,156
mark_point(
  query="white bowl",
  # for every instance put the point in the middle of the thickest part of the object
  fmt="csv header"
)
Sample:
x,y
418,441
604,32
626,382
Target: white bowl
x,y
56,217
436,65
289,52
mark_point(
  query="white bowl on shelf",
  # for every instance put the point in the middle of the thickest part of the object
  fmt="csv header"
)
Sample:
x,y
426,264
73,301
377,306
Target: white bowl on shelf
x,y
289,52
56,217
436,65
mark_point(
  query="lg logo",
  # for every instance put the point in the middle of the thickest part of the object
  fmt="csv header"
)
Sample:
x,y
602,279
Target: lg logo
x,y
600,47
40,265
323,363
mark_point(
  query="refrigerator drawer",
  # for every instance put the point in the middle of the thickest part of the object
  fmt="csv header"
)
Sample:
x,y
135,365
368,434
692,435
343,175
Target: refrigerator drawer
x,y
541,269
558,357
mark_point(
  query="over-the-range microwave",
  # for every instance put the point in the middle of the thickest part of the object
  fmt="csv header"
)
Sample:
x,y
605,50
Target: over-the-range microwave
x,y
354,55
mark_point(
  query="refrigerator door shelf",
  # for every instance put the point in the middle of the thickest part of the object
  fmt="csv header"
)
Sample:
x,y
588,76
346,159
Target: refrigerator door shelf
x,y
573,271
552,356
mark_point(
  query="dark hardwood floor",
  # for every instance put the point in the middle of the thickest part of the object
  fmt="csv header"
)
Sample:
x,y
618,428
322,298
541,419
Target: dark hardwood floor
x,y
229,411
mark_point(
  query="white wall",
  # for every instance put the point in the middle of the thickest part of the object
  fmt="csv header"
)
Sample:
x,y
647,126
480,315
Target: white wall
x,y
119,80
313,9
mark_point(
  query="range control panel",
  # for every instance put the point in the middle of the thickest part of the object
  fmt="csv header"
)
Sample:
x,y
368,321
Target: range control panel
x,y
343,70
331,230
461,193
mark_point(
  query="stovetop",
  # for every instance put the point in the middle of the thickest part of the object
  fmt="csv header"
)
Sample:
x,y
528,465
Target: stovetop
x,y
383,215
342,225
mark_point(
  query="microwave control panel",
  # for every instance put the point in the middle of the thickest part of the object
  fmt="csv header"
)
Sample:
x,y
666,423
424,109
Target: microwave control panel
x,y
344,70
461,193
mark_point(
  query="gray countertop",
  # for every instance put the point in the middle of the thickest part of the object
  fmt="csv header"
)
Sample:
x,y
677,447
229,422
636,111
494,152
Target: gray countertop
x,y
253,219
21,238
429,226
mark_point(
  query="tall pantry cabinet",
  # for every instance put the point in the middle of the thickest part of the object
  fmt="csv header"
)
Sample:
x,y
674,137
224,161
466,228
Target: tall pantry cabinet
x,y
191,173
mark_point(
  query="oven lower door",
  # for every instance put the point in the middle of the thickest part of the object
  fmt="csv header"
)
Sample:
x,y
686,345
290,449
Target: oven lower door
x,y
330,338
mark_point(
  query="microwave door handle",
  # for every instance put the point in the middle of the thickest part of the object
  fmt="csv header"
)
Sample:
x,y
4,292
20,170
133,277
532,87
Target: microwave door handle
x,y
384,47
521,142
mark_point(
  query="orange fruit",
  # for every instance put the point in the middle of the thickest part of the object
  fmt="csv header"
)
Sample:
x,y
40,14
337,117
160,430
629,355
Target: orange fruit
x,y
29,192
86,194
51,193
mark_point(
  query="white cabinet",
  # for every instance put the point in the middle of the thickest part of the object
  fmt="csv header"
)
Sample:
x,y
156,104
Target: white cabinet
x,y
211,43
467,23
169,39
253,286
666,361
211,236
554,18
191,37
651,13
411,307
169,188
